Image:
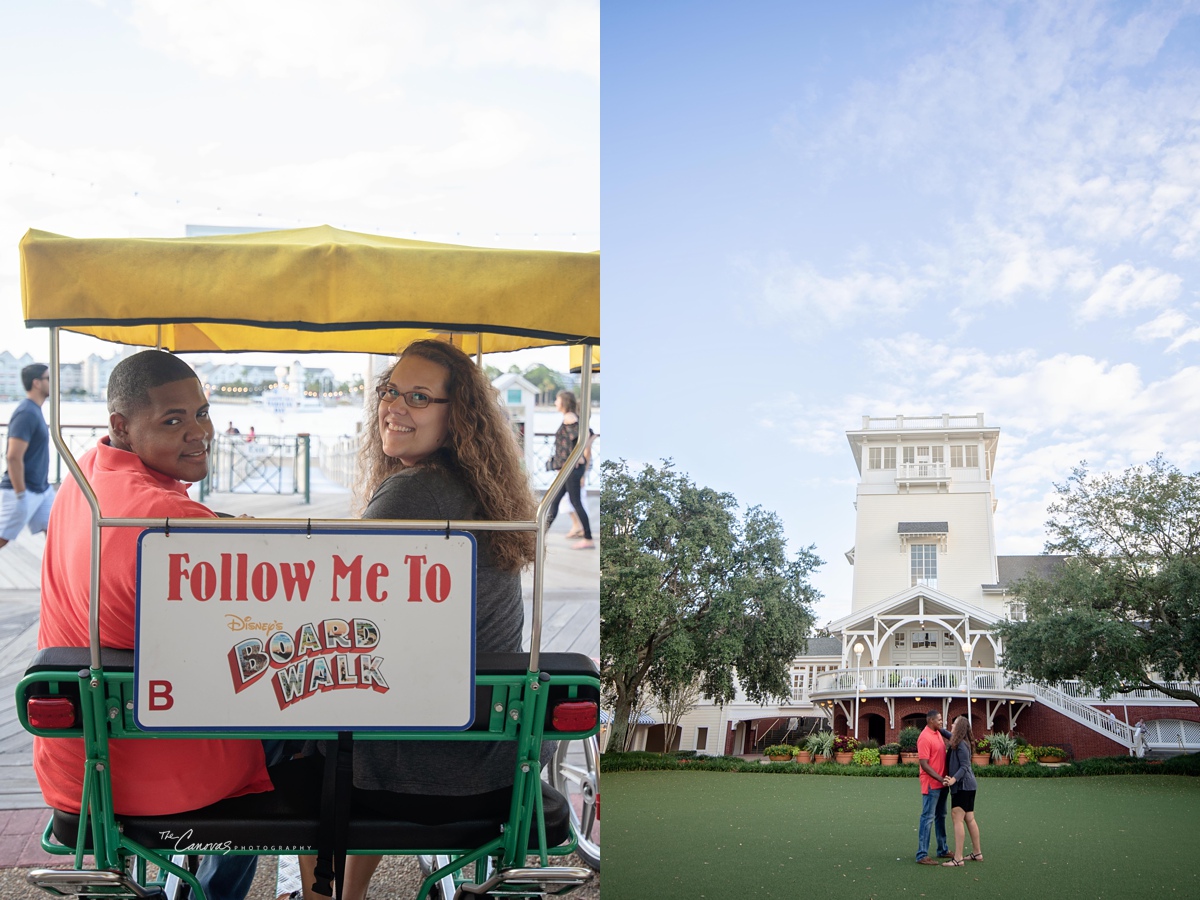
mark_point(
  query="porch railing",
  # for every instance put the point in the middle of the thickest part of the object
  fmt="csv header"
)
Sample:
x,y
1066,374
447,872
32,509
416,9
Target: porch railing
x,y
1073,689
904,679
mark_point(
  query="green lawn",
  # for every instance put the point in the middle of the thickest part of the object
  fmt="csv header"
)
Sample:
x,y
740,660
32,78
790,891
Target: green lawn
x,y
729,835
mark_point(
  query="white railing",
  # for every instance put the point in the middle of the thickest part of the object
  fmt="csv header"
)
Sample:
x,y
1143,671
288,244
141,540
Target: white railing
x,y
1084,714
908,471
892,423
912,679
1073,689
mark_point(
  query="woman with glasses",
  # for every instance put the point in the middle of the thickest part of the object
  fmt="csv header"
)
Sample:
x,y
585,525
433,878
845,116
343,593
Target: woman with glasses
x,y
441,448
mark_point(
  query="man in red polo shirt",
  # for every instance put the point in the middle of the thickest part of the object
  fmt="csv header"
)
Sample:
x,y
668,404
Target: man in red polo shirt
x,y
158,439
931,755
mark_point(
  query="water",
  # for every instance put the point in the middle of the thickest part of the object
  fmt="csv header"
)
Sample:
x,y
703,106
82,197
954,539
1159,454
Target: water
x,y
329,423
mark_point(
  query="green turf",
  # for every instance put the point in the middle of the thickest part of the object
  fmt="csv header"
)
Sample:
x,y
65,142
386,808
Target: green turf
x,y
729,835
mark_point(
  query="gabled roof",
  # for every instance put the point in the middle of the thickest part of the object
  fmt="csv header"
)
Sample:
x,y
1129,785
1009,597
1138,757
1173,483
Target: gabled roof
x,y
923,528
951,603
1011,568
823,646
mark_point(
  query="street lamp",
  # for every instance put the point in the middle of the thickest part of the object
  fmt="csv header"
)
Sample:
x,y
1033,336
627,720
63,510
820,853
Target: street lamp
x,y
967,650
858,652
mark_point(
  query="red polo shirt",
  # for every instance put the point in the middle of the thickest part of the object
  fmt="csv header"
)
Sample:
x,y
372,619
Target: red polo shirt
x,y
931,747
149,777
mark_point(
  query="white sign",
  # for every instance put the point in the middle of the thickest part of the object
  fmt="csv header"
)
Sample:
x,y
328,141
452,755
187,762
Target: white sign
x,y
240,629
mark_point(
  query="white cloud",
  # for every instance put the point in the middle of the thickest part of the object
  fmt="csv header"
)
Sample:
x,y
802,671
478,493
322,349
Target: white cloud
x,y
813,301
362,42
1124,288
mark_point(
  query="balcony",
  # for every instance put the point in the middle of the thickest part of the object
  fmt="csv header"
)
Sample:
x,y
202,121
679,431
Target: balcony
x,y
915,681
935,473
903,423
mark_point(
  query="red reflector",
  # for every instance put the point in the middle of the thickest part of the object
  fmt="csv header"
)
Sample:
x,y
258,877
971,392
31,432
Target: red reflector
x,y
575,715
597,804
50,712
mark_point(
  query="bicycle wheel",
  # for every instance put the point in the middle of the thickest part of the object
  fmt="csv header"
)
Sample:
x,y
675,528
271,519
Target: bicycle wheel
x,y
444,888
575,773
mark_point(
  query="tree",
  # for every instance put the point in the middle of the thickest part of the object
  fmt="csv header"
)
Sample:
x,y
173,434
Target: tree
x,y
674,701
1123,611
691,591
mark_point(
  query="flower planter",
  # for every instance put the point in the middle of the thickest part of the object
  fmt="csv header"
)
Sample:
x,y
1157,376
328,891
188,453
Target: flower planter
x,y
979,759
823,758
1052,760
1002,761
1022,760
909,759
803,757
889,759
779,758
844,758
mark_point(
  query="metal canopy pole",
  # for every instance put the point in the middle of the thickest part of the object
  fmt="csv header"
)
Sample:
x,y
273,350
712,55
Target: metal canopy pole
x,y
543,510
68,457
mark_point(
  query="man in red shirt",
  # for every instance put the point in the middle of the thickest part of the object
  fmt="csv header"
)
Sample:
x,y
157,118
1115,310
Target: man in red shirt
x,y
931,755
159,438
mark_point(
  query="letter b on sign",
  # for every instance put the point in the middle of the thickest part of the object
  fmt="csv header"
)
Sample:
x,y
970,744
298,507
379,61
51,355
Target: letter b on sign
x,y
160,695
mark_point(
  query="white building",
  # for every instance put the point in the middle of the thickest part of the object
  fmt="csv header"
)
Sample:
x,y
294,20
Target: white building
x,y
928,589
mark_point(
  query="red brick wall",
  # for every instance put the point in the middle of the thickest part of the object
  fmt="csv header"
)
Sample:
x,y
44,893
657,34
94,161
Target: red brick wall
x,y
1038,723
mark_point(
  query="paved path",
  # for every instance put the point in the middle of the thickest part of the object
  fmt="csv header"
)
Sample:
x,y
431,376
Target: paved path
x,y
572,623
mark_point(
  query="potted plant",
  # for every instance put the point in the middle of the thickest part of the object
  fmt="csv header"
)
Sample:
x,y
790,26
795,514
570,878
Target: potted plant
x,y
820,744
866,756
843,748
779,752
1051,756
982,752
1023,748
1004,748
804,753
889,754
908,743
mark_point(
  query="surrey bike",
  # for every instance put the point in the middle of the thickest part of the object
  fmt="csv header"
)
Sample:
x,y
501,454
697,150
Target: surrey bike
x,y
314,671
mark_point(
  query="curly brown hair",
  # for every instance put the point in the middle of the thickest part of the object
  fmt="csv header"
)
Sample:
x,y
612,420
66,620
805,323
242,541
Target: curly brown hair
x,y
480,446
961,732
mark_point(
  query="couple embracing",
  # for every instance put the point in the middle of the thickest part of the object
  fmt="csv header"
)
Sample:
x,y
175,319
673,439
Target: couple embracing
x,y
945,761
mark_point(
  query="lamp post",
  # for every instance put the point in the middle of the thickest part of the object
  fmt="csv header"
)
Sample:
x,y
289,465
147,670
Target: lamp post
x,y
967,650
858,652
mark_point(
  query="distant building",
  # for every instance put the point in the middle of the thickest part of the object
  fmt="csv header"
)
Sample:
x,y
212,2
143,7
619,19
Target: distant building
x,y
928,590
11,387
70,378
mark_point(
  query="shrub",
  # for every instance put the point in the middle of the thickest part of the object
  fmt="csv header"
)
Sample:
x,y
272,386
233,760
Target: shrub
x,y
867,756
889,749
1181,765
983,745
780,750
908,738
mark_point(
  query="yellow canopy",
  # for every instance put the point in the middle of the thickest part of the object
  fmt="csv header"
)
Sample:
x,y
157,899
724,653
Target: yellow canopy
x,y
576,362
307,289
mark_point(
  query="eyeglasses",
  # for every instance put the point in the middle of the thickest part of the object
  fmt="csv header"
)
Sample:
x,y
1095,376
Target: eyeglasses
x,y
412,399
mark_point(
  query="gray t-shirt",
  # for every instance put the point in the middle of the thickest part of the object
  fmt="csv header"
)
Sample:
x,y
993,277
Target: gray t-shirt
x,y
429,767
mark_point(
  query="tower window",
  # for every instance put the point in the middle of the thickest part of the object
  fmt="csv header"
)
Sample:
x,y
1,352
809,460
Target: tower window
x,y
881,457
923,559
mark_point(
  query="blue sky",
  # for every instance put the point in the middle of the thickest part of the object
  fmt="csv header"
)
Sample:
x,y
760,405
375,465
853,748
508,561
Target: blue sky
x,y
815,212
446,121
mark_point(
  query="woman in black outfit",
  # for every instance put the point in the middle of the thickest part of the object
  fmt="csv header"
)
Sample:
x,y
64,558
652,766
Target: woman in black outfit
x,y
564,442
960,778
